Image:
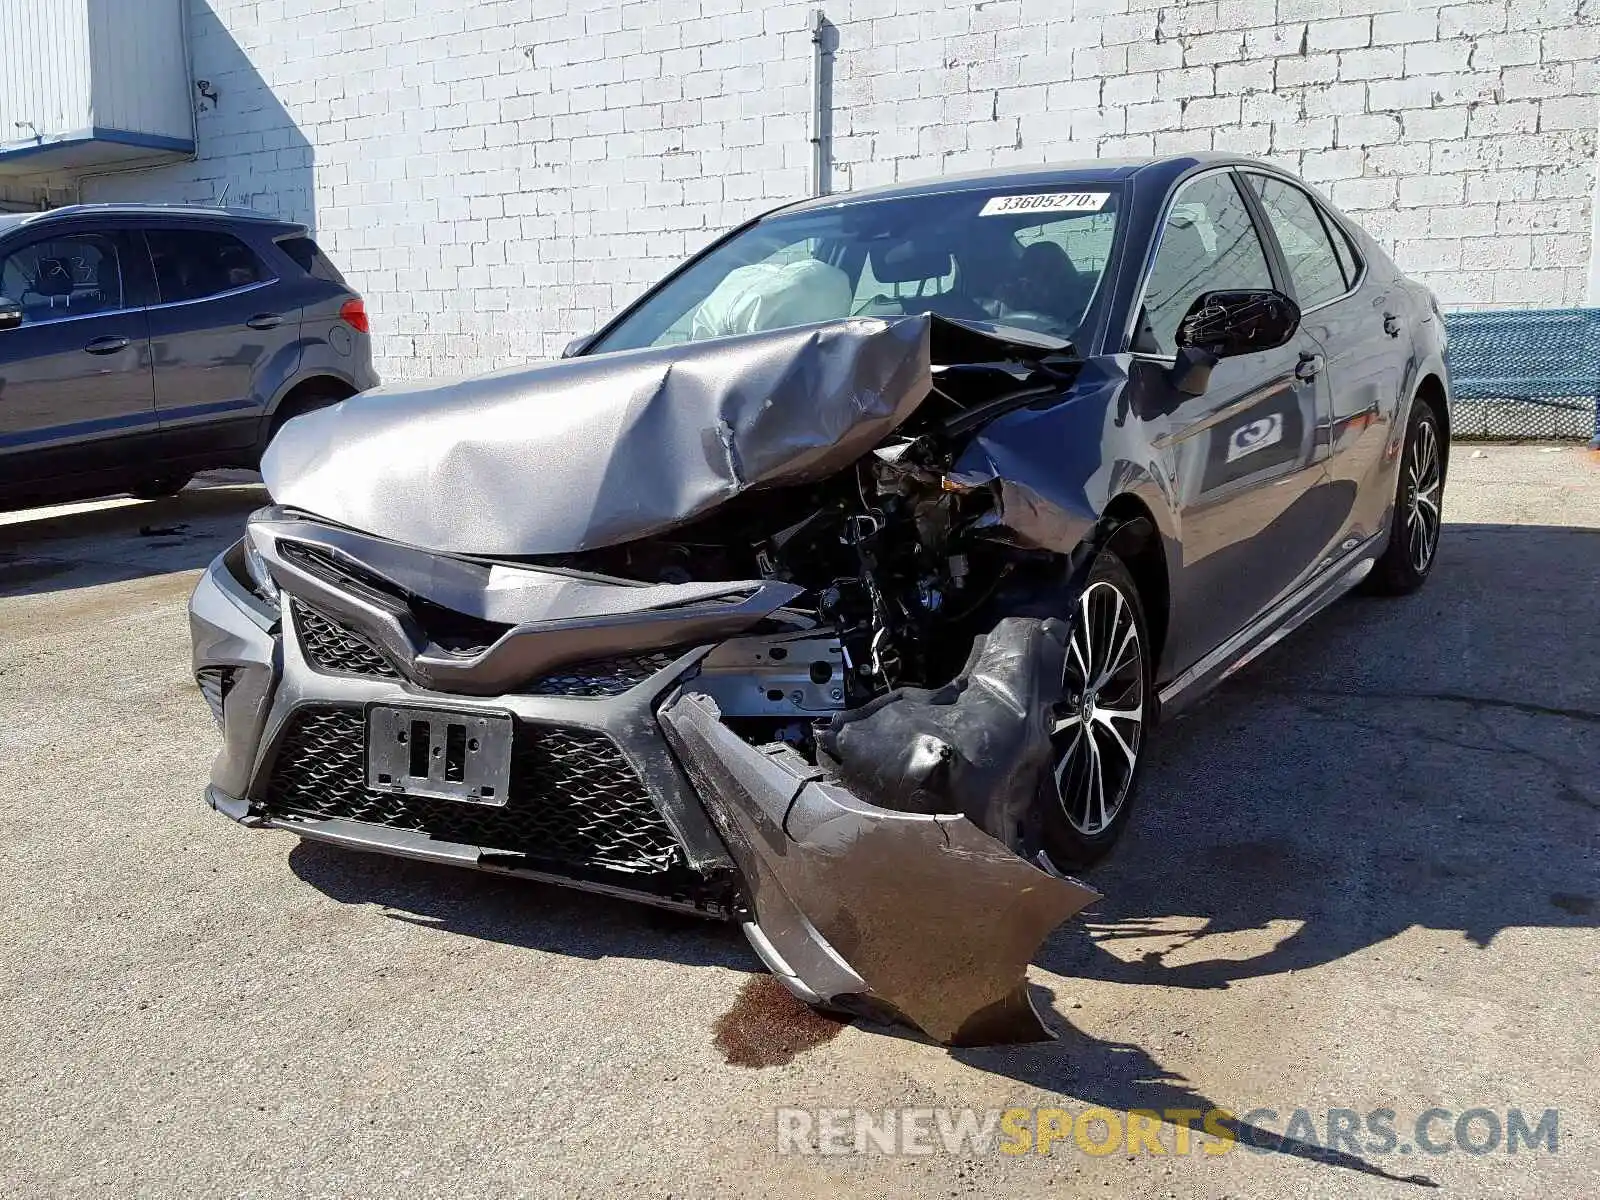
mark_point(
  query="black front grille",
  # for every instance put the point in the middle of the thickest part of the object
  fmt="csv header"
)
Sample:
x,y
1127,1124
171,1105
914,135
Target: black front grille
x,y
331,646
456,631
574,800
338,570
602,676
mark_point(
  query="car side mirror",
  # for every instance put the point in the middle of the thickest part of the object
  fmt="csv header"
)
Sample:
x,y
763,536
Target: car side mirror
x,y
1224,324
10,313
576,346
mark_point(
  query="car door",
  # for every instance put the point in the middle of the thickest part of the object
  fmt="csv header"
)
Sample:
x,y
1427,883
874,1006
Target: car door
x,y
1349,315
76,393
1243,459
222,327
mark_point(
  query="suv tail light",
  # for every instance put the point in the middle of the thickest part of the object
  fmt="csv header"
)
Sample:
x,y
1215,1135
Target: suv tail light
x,y
354,314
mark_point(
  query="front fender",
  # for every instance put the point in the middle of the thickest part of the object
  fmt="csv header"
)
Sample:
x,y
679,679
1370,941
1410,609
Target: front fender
x,y
1077,455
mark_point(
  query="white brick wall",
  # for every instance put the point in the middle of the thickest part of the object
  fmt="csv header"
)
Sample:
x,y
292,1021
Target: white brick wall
x,y
497,176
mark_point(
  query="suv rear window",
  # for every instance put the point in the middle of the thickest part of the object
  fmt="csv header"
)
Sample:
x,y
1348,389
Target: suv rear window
x,y
310,258
194,263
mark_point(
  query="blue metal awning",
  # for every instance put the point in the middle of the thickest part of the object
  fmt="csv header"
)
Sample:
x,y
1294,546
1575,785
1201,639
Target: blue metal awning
x,y
90,149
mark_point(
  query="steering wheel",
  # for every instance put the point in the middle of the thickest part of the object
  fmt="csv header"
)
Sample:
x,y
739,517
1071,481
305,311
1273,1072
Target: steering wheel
x,y
1038,322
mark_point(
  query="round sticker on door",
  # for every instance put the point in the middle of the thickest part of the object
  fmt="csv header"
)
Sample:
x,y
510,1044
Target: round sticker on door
x,y
1256,435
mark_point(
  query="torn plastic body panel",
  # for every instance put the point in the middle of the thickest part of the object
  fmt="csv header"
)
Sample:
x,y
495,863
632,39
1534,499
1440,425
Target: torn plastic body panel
x,y
921,916
978,746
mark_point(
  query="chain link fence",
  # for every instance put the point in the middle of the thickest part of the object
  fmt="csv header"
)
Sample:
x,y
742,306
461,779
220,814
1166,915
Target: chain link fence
x,y
1532,374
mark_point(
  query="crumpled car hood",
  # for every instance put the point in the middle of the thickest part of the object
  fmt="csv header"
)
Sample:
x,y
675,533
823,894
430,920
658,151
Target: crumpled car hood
x,y
575,455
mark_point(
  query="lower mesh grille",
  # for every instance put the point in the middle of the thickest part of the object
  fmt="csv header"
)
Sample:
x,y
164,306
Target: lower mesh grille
x,y
603,676
330,646
574,800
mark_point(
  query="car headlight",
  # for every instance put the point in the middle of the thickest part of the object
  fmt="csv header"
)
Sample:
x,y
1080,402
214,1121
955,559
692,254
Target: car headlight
x,y
255,565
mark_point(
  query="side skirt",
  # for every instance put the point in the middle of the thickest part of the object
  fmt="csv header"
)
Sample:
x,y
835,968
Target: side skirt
x,y
1274,625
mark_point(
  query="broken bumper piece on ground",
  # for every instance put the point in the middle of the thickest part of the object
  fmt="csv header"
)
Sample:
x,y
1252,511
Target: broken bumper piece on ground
x,y
918,916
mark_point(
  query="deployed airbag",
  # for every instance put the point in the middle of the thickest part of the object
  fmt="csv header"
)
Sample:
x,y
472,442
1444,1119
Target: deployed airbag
x,y
774,295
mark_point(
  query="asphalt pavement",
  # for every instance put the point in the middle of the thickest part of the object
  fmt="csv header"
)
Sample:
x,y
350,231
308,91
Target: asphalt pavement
x,y
1364,876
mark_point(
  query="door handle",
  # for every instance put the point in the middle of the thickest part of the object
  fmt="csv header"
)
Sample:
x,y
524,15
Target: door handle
x,y
265,321
1391,324
1310,366
107,345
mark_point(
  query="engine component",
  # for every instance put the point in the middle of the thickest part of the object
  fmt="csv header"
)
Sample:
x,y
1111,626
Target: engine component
x,y
784,676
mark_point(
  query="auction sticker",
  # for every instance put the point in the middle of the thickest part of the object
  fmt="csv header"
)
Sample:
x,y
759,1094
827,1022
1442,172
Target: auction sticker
x,y
1045,202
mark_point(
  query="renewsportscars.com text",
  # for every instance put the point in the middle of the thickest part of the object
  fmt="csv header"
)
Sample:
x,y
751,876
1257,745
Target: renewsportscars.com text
x,y
1174,1131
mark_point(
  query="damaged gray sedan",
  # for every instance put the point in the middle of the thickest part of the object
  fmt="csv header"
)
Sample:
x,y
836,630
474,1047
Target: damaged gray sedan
x,y
835,587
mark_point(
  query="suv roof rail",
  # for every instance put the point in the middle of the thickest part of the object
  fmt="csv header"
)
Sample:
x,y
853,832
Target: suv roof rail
x,y
158,209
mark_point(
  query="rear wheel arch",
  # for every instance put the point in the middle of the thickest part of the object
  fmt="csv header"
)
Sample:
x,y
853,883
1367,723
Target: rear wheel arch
x,y
1431,388
306,395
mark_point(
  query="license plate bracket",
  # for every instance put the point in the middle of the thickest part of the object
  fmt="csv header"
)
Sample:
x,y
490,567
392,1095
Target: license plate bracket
x,y
442,754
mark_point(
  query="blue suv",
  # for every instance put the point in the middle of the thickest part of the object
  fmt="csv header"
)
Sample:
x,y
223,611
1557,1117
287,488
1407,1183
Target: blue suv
x,y
140,344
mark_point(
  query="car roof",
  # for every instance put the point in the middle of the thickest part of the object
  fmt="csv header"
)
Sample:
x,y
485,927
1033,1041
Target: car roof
x,y
199,212
1045,175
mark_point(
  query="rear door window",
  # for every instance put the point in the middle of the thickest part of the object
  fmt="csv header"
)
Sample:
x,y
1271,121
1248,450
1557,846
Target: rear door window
x,y
1349,261
1313,264
71,275
192,264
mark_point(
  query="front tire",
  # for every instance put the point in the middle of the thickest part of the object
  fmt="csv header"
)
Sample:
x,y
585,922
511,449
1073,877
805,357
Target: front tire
x,y
1098,726
1415,528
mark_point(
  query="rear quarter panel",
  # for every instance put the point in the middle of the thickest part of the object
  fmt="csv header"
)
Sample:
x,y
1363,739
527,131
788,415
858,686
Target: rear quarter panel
x,y
326,347
1419,353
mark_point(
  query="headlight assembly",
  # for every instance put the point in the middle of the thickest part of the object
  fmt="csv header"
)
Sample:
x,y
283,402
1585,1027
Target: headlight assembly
x,y
261,581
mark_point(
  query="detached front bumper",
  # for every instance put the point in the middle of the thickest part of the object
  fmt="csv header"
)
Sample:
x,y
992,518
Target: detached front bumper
x,y
625,781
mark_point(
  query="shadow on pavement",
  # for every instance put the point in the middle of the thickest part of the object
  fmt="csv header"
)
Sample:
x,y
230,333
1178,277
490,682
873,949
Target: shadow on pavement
x,y
1126,1079
103,541
1425,762
518,912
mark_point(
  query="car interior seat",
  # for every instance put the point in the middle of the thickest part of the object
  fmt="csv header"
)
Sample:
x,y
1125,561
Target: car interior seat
x,y
1044,285
51,282
907,261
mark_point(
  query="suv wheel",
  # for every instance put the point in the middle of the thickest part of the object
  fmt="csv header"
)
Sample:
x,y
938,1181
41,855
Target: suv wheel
x,y
159,486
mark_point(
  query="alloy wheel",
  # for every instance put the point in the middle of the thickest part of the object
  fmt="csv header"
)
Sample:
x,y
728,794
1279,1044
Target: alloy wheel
x,y
1098,724
1424,481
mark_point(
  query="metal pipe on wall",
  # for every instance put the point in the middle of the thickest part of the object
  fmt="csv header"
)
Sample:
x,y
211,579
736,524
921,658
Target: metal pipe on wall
x,y
821,104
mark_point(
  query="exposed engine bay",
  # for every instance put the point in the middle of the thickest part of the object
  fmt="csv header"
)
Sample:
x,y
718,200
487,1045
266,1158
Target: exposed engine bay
x,y
902,563
890,554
